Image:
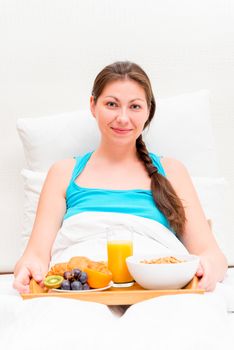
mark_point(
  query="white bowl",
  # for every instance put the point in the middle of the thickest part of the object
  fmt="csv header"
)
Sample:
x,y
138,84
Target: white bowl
x,y
162,276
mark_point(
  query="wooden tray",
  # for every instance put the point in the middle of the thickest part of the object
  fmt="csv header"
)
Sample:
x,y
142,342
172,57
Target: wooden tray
x,y
116,296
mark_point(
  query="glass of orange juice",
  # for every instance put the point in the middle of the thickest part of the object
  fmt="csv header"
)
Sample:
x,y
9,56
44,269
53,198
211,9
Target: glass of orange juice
x,y
119,247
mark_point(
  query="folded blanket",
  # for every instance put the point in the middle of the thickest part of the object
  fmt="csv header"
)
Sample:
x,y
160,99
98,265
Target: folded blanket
x,y
85,234
179,322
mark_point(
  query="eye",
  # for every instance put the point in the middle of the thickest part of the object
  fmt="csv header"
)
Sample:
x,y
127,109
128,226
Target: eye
x,y
138,106
111,104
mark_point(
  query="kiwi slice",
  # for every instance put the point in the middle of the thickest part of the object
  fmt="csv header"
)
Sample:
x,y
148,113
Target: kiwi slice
x,y
53,281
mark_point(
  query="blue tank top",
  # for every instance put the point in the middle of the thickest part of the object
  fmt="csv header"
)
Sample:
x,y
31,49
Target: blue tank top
x,y
138,202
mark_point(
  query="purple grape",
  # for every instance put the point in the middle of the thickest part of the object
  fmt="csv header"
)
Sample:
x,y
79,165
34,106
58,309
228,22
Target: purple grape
x,y
68,275
66,285
85,286
76,273
76,285
83,277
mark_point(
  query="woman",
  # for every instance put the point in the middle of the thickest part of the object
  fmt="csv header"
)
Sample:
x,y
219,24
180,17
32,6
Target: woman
x,y
123,104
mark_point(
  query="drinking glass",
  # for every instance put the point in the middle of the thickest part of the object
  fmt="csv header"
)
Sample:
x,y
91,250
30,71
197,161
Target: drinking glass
x,y
119,247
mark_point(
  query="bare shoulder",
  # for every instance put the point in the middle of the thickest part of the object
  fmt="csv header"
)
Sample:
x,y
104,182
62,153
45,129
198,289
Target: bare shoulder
x,y
176,171
172,165
63,166
60,173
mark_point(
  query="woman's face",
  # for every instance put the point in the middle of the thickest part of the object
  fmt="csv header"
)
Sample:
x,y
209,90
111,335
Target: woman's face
x,y
121,111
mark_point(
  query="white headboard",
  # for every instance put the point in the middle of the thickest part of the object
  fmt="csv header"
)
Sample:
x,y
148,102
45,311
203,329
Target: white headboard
x,y
52,50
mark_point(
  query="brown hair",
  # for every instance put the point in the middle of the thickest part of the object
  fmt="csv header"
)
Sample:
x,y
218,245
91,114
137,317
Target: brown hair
x,y
163,193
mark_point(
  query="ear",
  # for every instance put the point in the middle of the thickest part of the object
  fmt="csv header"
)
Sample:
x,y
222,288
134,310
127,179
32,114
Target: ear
x,y
92,106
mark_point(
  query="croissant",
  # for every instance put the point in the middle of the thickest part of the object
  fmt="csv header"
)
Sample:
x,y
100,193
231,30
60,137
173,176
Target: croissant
x,y
78,262
58,269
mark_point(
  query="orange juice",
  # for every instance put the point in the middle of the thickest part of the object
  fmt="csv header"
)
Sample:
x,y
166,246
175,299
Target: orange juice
x,y
118,251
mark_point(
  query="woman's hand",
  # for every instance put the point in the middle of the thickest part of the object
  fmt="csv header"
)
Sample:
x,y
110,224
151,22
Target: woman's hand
x,y
27,269
209,271
206,275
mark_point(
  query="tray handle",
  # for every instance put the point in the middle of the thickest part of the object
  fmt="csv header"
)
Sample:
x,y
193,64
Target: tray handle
x,y
193,284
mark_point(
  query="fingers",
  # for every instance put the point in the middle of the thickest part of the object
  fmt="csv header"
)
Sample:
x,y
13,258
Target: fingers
x,y
21,282
200,271
21,288
37,274
207,279
207,284
22,279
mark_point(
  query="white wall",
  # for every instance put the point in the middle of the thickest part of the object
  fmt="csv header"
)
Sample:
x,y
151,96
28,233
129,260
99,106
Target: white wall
x,y
51,50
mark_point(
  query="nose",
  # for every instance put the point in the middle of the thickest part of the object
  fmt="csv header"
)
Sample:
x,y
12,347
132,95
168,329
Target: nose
x,y
122,116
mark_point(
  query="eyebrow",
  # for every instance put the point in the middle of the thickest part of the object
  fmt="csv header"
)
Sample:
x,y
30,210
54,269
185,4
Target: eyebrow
x,y
129,101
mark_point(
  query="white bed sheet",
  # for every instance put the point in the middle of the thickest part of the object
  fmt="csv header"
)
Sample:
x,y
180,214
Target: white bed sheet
x,y
70,323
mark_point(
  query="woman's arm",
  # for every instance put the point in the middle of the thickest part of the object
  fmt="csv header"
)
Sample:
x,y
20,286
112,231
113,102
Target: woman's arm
x,y
197,236
50,211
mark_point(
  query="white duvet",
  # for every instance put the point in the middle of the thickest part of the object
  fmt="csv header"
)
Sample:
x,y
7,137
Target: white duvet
x,y
168,322
85,234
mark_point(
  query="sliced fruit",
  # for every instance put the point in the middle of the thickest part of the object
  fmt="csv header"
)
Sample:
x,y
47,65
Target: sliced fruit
x,y
53,281
34,287
98,275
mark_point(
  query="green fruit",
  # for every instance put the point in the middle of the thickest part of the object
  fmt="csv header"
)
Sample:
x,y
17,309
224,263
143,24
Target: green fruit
x,y
53,281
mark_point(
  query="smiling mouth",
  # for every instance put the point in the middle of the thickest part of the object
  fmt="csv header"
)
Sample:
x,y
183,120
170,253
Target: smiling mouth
x,y
121,131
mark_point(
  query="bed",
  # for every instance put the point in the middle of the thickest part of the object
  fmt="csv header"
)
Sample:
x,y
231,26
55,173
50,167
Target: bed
x,y
43,323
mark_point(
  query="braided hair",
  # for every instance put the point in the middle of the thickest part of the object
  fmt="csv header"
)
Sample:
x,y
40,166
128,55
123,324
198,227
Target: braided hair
x,y
164,195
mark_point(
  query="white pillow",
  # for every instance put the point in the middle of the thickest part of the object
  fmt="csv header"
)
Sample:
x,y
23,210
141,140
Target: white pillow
x,y
213,195
211,191
48,139
181,129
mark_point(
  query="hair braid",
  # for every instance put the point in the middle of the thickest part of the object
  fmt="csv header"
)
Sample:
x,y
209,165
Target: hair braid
x,y
164,195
